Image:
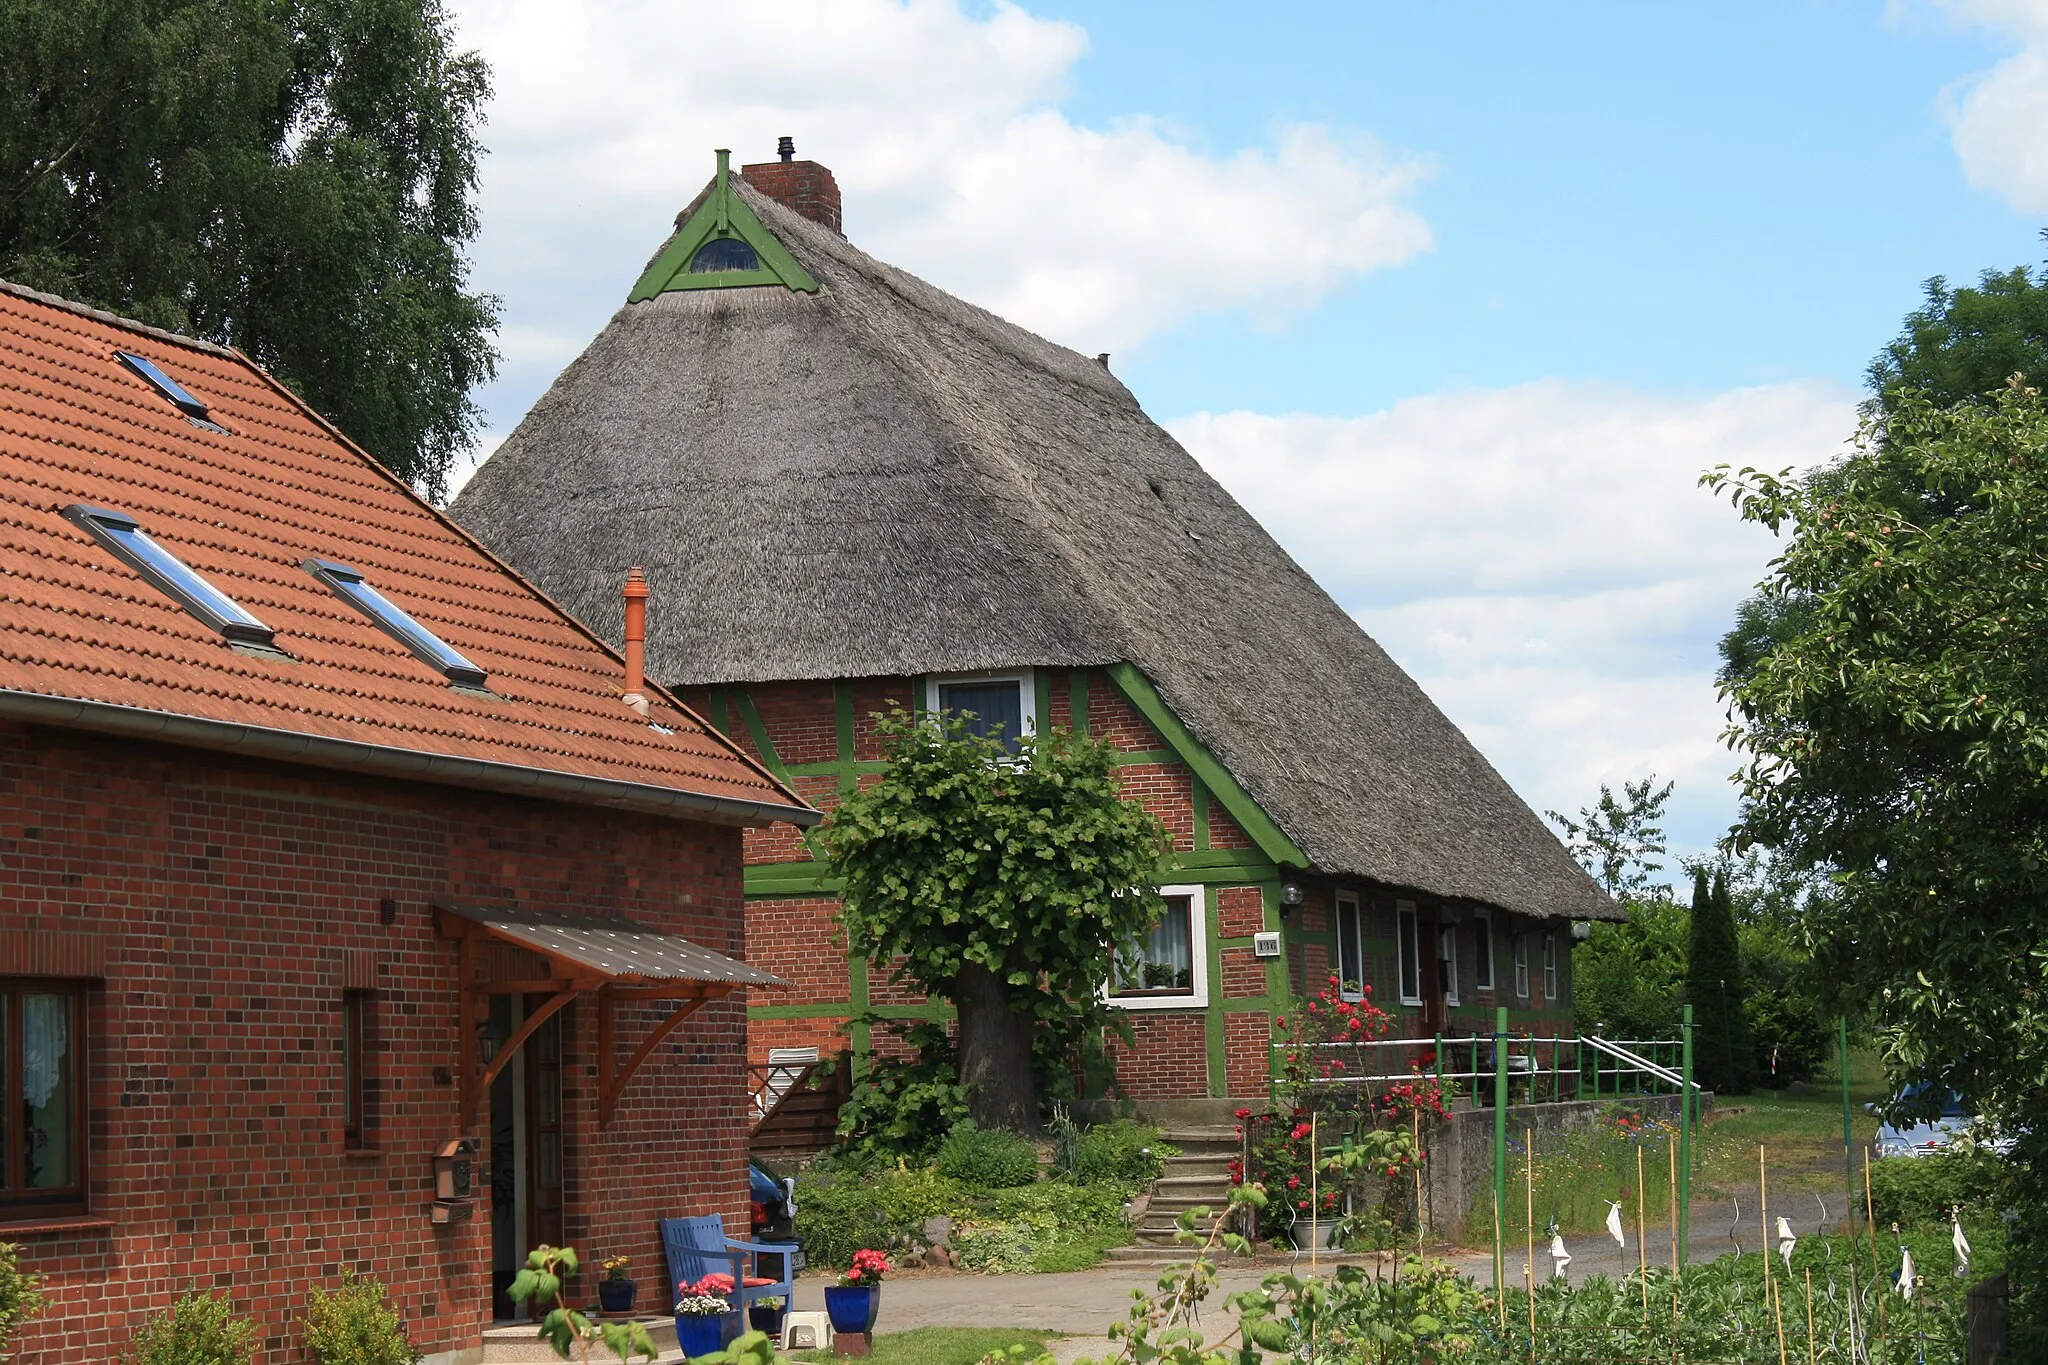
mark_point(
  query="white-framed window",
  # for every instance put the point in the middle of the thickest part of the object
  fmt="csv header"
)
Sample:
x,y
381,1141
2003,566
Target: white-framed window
x,y
1409,950
1522,966
1004,704
1482,964
1550,966
1350,946
1447,960
1167,969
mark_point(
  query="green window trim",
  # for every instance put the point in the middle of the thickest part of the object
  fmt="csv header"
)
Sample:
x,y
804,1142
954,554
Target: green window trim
x,y
722,214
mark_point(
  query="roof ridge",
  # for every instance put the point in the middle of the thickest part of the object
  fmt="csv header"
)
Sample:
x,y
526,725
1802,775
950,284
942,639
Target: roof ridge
x,y
86,310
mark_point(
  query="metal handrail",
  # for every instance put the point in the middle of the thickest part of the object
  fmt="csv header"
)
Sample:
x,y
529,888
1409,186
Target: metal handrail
x,y
1620,1053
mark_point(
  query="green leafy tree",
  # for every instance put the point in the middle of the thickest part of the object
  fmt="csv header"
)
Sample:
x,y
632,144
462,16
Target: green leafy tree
x,y
290,177
1961,346
1627,977
1900,739
1619,841
999,884
1723,1055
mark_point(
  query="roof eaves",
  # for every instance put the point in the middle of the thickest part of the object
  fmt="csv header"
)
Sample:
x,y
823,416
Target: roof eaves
x,y
387,761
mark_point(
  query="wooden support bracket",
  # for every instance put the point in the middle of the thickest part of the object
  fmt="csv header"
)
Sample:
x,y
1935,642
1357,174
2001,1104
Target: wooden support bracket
x,y
612,1084
510,1048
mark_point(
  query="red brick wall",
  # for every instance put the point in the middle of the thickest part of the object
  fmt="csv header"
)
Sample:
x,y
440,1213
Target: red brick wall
x,y
1167,790
1243,974
1240,912
800,719
799,942
1225,832
1112,718
1247,1052
233,899
1171,1060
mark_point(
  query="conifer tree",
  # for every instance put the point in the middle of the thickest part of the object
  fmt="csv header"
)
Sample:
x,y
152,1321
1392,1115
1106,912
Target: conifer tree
x,y
1721,1048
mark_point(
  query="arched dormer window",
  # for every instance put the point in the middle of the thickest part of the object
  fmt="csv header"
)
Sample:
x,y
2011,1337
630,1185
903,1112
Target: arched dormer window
x,y
724,253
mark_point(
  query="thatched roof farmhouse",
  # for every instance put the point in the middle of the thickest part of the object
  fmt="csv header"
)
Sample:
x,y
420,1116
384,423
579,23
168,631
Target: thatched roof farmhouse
x,y
838,476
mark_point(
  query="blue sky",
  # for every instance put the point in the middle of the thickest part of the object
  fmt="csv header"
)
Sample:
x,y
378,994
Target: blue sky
x,y
1674,196
1459,300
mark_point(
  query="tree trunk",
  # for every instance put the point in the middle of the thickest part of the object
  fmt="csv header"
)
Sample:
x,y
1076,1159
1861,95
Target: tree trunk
x,y
995,1053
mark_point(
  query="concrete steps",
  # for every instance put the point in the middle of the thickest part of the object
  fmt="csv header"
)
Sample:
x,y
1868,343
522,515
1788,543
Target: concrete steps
x,y
1199,1177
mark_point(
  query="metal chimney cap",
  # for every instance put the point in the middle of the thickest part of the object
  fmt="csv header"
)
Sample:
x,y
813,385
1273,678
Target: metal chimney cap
x,y
785,147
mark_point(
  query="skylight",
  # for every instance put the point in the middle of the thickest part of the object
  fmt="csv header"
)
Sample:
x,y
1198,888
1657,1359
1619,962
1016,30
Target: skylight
x,y
124,536
170,388
348,585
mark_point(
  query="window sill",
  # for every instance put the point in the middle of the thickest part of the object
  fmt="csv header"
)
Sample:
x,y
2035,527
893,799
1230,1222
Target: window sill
x,y
1159,1002
362,1154
71,1222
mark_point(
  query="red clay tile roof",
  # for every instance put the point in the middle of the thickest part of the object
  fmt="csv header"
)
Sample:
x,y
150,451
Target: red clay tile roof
x,y
245,509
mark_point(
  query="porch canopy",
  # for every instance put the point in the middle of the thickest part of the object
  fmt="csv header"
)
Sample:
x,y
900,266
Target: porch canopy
x,y
607,956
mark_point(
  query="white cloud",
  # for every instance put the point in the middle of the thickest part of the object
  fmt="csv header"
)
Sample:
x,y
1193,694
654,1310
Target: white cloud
x,y
949,145
1997,117
1542,560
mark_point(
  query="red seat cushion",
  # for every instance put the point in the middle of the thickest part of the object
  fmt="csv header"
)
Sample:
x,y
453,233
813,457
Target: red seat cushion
x,y
755,1282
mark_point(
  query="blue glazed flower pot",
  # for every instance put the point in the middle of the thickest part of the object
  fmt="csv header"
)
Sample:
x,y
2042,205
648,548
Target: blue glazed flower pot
x,y
701,1336
852,1307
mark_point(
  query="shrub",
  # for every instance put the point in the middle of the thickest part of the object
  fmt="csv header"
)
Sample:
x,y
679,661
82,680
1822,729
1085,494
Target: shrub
x,y
198,1329
18,1297
1917,1191
987,1157
1126,1151
353,1325
903,1106
840,1211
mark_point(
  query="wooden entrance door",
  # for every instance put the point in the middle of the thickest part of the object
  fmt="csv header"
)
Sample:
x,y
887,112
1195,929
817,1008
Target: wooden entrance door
x,y
544,1132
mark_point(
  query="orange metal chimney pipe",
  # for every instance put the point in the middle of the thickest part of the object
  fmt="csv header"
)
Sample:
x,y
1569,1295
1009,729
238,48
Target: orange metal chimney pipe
x,y
636,639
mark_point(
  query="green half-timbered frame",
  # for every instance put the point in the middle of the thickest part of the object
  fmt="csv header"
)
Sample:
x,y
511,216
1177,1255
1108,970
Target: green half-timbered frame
x,y
1273,860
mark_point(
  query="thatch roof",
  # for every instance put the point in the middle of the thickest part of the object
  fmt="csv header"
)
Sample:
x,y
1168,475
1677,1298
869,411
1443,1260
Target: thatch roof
x,y
879,479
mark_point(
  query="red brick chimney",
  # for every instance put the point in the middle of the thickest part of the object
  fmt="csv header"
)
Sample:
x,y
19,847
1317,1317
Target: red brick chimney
x,y
804,186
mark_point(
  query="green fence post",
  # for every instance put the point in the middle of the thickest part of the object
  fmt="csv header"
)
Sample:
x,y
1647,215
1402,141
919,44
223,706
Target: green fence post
x,y
1685,1122
1438,1054
1500,1145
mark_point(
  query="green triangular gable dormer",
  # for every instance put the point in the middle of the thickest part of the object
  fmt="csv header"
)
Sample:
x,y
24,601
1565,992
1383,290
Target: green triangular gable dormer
x,y
723,246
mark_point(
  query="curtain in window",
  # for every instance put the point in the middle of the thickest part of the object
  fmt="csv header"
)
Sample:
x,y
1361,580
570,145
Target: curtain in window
x,y
1163,960
997,708
46,1072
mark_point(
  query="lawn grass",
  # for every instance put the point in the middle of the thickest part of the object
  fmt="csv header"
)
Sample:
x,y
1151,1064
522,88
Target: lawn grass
x,y
940,1345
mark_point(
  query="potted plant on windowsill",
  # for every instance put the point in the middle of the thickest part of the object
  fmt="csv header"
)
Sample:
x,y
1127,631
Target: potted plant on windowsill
x,y
853,1303
616,1291
700,1314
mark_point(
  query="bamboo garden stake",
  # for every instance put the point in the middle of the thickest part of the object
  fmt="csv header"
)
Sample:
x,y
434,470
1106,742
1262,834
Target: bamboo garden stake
x,y
1763,1216
1778,1314
1315,1202
1810,1357
1642,1240
1415,1130
1529,1268
1876,1275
